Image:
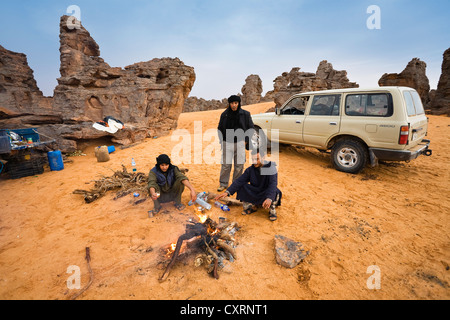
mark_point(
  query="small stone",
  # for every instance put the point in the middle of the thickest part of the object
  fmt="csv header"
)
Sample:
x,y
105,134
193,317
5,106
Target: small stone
x,y
288,252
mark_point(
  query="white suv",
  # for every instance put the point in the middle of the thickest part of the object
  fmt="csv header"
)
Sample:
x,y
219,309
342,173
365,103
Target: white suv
x,y
357,125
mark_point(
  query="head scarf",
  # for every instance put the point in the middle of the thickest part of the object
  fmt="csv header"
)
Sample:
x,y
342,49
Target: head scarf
x,y
163,159
233,116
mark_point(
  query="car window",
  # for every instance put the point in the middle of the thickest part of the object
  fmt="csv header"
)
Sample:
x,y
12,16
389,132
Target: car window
x,y
369,105
409,103
325,105
296,106
417,102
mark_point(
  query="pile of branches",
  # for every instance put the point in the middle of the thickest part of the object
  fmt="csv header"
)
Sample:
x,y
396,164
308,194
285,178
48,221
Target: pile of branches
x,y
215,240
123,181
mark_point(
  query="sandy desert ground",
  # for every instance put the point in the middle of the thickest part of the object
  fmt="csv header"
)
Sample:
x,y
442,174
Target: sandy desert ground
x,y
394,216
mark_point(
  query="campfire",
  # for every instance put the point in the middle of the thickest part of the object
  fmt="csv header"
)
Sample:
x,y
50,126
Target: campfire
x,y
215,242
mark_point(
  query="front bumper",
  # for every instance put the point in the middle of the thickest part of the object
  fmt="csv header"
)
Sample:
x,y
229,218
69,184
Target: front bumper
x,y
400,155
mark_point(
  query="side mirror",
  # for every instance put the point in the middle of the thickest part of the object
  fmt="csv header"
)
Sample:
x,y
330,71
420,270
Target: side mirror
x,y
277,111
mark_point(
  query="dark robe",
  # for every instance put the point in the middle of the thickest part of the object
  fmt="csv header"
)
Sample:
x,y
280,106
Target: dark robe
x,y
254,187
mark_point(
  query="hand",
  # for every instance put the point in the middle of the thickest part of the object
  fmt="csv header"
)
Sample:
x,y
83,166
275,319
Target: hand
x,y
266,204
155,196
193,195
220,196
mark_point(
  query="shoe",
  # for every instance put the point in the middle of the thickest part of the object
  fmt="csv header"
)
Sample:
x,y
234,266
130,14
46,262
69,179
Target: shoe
x,y
272,214
151,213
249,210
221,188
179,206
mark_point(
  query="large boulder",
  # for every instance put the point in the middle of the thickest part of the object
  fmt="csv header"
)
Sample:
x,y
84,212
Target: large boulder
x,y
252,90
440,99
413,76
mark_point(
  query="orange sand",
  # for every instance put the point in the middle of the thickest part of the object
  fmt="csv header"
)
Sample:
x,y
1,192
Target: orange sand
x,y
393,216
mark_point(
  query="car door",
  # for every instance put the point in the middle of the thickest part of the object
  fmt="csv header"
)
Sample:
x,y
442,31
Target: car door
x,y
323,120
418,122
288,123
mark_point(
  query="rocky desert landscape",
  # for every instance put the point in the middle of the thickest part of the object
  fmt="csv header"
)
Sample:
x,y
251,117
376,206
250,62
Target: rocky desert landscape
x,y
394,216
381,234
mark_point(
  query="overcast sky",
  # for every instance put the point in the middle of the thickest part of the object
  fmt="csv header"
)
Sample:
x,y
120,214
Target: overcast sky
x,y
227,40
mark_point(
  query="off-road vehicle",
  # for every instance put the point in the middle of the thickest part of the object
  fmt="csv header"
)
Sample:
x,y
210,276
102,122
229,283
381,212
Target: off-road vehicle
x,y
357,126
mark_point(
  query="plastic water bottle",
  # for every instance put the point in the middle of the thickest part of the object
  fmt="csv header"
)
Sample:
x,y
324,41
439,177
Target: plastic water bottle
x,y
203,203
133,164
202,195
222,206
200,202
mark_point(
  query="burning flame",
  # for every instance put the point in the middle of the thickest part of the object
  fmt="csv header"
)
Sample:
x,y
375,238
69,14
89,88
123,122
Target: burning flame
x,y
171,248
202,217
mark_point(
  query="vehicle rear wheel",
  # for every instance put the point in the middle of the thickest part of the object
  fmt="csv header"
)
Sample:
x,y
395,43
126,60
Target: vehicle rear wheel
x,y
349,156
259,139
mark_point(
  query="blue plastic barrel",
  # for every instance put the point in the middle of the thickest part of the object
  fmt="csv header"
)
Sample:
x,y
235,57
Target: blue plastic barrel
x,y
111,149
55,160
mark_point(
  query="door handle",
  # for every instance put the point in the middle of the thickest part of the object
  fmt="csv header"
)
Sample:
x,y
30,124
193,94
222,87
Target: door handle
x,y
333,123
298,121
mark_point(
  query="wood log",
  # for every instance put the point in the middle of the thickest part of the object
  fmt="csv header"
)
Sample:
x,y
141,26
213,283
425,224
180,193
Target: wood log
x,y
193,230
91,274
227,248
226,236
216,260
225,200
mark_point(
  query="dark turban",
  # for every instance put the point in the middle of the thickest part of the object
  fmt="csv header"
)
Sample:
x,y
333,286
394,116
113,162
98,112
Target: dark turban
x,y
163,159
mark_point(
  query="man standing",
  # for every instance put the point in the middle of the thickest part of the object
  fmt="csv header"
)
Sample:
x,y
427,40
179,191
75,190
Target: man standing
x,y
166,183
233,130
257,187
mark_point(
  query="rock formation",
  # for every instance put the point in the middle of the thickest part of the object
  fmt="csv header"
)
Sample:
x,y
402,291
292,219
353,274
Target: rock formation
x,y
147,96
413,76
20,96
194,104
325,78
440,100
252,90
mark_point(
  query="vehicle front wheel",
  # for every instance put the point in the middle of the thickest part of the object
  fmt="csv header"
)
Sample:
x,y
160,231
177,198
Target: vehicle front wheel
x,y
349,156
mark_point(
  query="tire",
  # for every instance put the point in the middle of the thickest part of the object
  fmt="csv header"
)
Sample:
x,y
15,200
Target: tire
x,y
259,139
349,156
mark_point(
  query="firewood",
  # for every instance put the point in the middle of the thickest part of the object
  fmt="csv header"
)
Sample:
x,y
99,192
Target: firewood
x,y
226,236
216,239
91,274
225,200
216,260
227,248
193,230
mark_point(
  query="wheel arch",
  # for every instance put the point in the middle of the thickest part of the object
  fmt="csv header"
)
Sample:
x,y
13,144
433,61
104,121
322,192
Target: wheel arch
x,y
340,137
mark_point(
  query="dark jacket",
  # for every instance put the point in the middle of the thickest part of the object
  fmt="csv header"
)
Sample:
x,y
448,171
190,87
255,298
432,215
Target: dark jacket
x,y
254,187
245,123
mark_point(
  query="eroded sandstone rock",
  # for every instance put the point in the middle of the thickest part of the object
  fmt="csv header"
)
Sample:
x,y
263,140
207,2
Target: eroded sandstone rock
x,y
252,90
440,99
194,104
413,76
147,97
295,81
